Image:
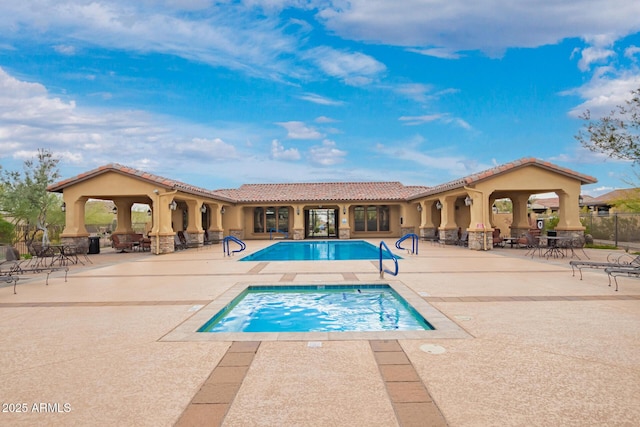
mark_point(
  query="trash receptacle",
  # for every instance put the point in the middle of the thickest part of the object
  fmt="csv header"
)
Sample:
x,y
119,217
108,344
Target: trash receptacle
x,y
94,245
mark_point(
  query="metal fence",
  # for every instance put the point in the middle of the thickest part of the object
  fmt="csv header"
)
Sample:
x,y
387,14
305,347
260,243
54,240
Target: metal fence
x,y
100,230
620,229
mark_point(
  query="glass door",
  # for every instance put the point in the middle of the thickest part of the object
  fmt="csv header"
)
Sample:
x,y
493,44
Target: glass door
x,y
321,223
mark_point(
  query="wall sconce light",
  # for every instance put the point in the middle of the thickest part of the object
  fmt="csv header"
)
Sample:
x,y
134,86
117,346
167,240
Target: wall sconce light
x,y
580,199
222,210
494,208
114,210
173,205
344,210
203,208
468,201
298,211
419,207
63,207
149,212
438,205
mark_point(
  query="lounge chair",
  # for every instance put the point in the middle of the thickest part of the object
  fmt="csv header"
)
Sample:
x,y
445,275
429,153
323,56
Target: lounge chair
x,y
613,261
117,243
621,271
464,239
14,267
186,241
178,243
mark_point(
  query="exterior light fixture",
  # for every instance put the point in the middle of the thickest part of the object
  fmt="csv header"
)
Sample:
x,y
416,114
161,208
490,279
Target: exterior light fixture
x,y
173,205
344,210
63,207
222,210
468,201
438,205
298,210
149,212
580,199
419,207
494,208
114,210
203,208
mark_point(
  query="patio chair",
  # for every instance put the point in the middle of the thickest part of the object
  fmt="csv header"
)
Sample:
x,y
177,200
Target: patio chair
x,y
497,239
12,263
533,244
613,261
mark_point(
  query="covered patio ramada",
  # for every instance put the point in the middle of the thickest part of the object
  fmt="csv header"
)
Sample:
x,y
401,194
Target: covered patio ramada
x,y
325,210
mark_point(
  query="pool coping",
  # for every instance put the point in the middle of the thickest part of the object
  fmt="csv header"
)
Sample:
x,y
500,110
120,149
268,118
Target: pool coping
x,y
445,328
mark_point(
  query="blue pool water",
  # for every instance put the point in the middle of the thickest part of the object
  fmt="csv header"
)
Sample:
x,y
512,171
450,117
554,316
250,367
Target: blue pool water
x,y
322,250
323,308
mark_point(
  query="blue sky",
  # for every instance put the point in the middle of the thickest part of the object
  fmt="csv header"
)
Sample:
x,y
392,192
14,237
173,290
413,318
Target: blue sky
x,y
220,93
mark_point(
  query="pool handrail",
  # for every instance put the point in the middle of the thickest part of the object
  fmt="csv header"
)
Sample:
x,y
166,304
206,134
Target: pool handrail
x,y
393,257
274,230
414,243
226,248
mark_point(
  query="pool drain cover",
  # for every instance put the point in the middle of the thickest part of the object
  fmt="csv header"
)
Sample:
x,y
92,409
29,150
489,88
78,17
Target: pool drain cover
x,y
432,349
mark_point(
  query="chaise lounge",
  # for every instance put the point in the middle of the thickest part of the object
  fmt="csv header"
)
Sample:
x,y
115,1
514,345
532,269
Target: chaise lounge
x,y
624,260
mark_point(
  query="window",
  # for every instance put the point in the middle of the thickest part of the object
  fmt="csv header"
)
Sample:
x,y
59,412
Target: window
x,y
271,218
371,218
358,216
258,220
283,219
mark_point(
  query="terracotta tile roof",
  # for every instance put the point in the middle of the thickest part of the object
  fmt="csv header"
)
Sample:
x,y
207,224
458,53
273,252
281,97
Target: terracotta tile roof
x,y
160,181
486,174
614,196
322,192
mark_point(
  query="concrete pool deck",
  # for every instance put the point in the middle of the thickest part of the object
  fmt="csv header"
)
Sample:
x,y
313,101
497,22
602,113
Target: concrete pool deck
x,y
539,347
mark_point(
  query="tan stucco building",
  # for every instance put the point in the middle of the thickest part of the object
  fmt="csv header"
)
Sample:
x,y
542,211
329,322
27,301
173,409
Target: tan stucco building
x,y
346,210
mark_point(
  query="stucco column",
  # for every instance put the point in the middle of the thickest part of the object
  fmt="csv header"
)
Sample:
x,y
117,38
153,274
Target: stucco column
x,y
520,223
216,232
123,217
74,225
427,224
448,229
298,222
569,211
344,228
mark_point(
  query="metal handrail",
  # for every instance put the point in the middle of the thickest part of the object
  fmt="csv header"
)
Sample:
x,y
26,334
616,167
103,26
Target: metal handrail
x,y
226,248
393,257
414,243
273,230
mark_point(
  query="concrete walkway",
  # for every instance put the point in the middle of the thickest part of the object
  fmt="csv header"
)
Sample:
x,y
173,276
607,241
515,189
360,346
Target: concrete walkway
x,y
539,347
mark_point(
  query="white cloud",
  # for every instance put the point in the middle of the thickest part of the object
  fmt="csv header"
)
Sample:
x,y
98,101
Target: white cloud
x,y
326,154
201,148
65,49
353,68
455,166
321,100
299,130
591,55
604,92
441,117
449,26
325,119
278,152
437,52
631,52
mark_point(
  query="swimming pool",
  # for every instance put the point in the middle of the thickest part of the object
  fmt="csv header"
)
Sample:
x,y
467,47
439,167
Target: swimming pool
x,y
322,250
317,308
